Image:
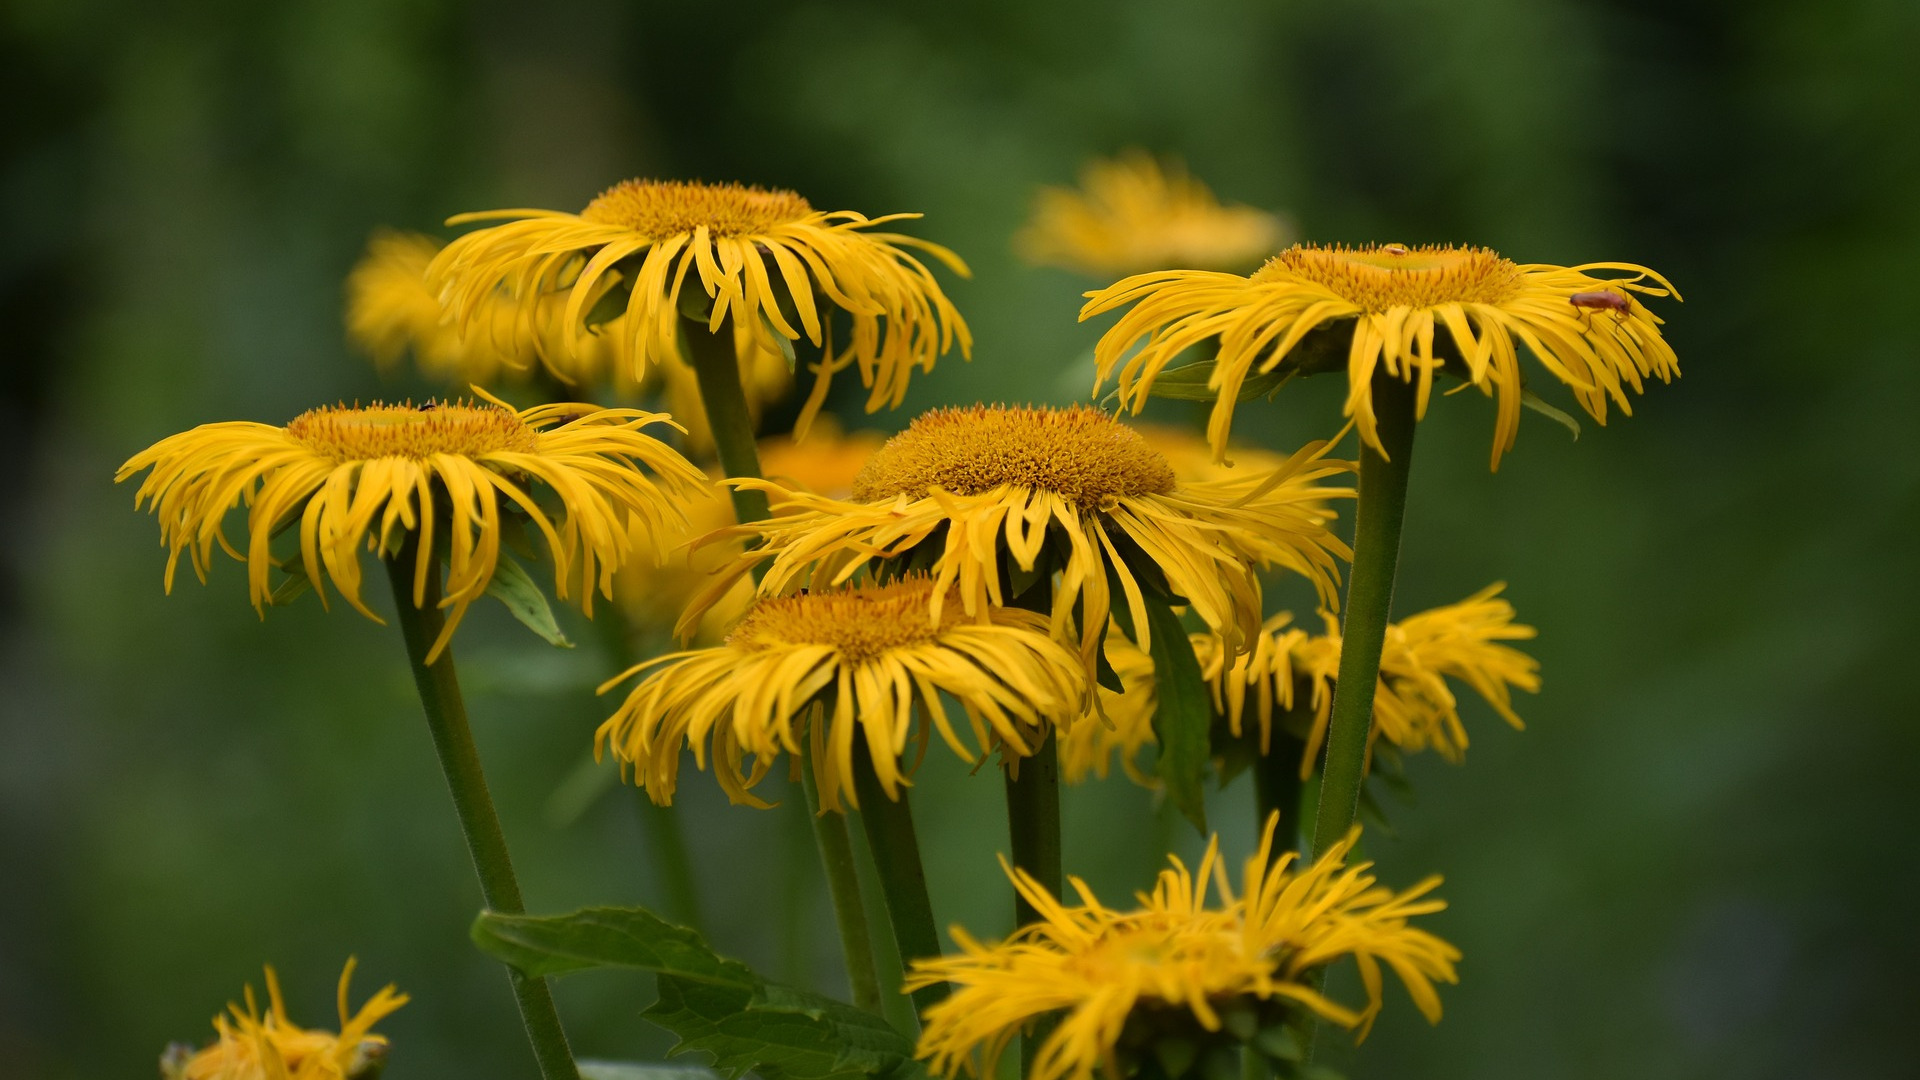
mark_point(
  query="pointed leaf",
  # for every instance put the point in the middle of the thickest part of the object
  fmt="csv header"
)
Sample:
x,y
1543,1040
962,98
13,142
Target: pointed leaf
x,y
643,1070
1538,404
627,937
1183,713
512,587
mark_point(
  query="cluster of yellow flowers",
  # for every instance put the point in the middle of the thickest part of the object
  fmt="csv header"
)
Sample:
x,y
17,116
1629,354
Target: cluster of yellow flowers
x,y
1043,584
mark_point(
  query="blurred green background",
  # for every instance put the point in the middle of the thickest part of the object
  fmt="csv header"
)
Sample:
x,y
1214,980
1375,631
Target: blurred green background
x,y
1697,862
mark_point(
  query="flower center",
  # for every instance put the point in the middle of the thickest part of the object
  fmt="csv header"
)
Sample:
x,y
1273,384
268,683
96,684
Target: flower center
x,y
860,623
412,431
660,208
1077,452
1383,276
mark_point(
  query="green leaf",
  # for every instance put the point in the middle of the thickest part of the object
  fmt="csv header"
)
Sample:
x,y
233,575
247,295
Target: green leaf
x,y
512,587
782,340
627,937
294,586
1188,382
1535,402
610,305
717,1006
801,1036
643,1070
1183,714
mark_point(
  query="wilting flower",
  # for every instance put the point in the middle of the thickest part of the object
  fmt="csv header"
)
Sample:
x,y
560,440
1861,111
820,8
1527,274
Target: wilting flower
x,y
1131,214
1590,332
766,259
354,478
1119,981
838,665
994,499
252,1046
1414,707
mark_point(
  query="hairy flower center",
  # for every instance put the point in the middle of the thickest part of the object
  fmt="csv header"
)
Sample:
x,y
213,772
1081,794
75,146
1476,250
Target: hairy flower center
x,y
378,431
1077,452
1383,276
660,208
859,623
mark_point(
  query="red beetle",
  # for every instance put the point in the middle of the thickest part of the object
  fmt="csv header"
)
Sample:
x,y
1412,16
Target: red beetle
x,y
1605,300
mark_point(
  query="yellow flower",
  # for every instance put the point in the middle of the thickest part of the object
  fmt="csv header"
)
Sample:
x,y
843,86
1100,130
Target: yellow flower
x,y
1123,722
1413,706
1590,332
1132,215
764,379
250,1046
655,590
867,658
1002,493
391,311
764,258
354,478
1175,965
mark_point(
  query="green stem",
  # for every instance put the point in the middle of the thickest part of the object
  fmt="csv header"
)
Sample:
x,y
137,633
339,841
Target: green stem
x,y
1376,554
440,698
843,885
716,367
1277,785
903,878
666,839
1033,823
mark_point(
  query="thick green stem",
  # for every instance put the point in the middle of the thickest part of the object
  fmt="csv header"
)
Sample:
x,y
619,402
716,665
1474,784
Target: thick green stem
x,y
440,698
903,878
1376,554
1277,786
716,366
843,886
1033,823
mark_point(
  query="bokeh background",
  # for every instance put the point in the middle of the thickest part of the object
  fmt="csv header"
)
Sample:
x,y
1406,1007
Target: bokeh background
x,y
1699,861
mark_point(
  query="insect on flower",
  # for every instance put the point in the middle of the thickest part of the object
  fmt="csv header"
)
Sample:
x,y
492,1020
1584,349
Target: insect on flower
x,y
1605,299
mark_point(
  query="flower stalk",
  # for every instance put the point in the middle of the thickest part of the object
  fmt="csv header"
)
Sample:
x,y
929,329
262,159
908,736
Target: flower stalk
x,y
716,367
446,712
903,878
843,882
1381,509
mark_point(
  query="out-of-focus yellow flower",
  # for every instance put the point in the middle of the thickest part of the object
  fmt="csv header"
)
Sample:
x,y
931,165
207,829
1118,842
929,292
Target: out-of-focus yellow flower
x,y
1119,979
1591,333
864,662
393,312
1004,493
1123,722
765,259
1414,708
357,478
1132,214
653,591
252,1046
1288,669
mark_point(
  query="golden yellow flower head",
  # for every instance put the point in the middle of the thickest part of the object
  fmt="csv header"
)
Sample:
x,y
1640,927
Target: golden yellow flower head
x,y
1132,214
1590,332
359,478
1004,496
1175,966
764,259
1414,708
253,1046
838,665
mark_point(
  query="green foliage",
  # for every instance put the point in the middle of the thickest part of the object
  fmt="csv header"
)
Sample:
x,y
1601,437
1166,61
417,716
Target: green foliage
x,y
1184,712
717,1006
512,586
